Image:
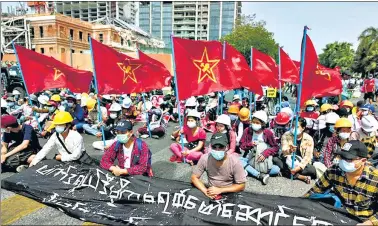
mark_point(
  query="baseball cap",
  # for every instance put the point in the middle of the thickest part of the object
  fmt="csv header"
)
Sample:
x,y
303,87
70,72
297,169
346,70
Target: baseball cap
x,y
353,149
8,121
219,138
124,125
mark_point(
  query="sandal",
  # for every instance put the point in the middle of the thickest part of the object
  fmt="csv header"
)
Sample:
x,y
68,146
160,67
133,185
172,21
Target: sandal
x,y
308,180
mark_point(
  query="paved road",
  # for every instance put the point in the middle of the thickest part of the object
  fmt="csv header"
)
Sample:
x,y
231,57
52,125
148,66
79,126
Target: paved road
x,y
18,210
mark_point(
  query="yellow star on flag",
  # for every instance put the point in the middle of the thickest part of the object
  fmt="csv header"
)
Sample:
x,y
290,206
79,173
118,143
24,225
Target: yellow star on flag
x,y
57,74
205,67
128,70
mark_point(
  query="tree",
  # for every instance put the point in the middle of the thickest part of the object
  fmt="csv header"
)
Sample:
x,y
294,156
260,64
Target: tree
x,y
337,54
366,59
250,33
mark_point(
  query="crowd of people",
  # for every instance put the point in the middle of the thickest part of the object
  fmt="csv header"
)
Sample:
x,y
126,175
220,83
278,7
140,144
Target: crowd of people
x,y
333,143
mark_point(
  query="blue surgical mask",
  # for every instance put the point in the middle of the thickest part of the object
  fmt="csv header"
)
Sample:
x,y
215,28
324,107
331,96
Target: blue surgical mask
x,y
233,118
310,109
60,129
348,167
218,155
123,138
331,129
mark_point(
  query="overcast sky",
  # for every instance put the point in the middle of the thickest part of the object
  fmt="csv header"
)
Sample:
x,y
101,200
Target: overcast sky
x,y
328,21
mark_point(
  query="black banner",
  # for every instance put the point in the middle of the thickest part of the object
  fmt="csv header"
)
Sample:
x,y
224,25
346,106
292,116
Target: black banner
x,y
92,194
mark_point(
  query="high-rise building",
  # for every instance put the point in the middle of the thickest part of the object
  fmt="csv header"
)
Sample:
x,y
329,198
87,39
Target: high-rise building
x,y
90,11
192,20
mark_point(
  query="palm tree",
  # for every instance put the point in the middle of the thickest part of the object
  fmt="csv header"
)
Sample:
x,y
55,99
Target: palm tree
x,y
367,52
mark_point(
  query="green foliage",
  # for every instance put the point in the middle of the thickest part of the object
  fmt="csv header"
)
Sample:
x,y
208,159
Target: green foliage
x,y
366,59
251,33
337,54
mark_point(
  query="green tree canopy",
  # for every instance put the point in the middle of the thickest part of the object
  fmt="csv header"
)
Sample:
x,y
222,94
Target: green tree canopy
x,y
251,33
337,54
366,59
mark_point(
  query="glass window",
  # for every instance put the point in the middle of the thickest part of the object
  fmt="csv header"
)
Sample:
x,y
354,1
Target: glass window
x,y
214,21
41,31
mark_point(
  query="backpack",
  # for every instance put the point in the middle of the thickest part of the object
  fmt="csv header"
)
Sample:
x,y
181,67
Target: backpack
x,y
139,143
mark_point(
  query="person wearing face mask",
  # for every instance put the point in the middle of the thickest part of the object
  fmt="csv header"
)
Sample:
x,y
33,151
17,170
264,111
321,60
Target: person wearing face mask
x,y
69,143
94,122
223,125
52,111
260,146
281,125
233,112
224,171
195,136
156,124
304,149
343,128
129,111
132,154
310,110
241,124
18,146
367,134
77,113
353,181
369,89
347,106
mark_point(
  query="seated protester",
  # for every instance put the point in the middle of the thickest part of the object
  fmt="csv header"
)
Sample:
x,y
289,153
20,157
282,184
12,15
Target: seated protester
x,y
353,181
93,123
201,107
310,110
224,171
260,146
156,124
19,144
236,101
26,113
132,154
167,106
322,136
285,102
11,105
129,111
282,124
76,111
325,109
106,101
241,124
223,125
195,136
58,100
245,102
356,111
4,107
172,101
42,100
69,143
348,106
114,117
233,112
52,108
134,99
303,170
367,134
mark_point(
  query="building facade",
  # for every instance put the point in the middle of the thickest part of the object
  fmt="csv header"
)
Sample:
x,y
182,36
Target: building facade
x,y
91,11
191,20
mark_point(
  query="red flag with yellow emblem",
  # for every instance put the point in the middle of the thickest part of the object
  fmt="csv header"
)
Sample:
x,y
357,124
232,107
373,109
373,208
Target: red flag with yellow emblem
x,y
117,73
200,68
43,72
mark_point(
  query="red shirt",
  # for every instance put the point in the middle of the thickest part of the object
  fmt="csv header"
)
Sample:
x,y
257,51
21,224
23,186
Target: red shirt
x,y
369,85
190,137
312,115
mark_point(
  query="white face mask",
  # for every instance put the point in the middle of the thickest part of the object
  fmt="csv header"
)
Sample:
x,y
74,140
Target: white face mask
x,y
191,124
299,131
344,136
256,127
60,129
113,115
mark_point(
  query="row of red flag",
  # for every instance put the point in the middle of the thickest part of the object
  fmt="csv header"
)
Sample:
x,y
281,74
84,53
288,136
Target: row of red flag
x,y
201,67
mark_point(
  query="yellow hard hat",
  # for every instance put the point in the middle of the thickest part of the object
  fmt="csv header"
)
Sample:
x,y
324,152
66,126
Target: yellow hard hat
x,y
62,117
310,102
233,109
133,95
84,95
91,104
346,103
325,107
244,114
55,97
343,123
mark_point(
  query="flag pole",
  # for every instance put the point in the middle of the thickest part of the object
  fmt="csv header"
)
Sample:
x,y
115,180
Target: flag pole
x,y
279,74
144,104
254,96
250,93
26,88
299,93
222,93
96,88
177,96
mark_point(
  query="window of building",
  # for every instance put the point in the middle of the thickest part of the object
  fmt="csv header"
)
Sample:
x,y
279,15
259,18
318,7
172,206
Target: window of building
x,y
71,33
101,38
81,36
51,49
72,51
122,41
41,31
42,50
32,32
50,29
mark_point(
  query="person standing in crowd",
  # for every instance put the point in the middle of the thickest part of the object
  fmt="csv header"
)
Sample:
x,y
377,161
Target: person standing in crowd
x,y
132,154
224,171
195,136
353,181
260,146
369,88
19,144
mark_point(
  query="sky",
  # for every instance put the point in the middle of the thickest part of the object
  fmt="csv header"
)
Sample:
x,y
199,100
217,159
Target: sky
x,y
328,21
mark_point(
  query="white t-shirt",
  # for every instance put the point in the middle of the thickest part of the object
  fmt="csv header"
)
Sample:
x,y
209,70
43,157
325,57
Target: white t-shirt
x,y
259,138
127,154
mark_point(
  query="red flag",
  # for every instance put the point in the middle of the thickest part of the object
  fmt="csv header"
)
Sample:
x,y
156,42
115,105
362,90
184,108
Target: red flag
x,y
289,71
158,68
264,68
200,68
318,81
119,73
43,72
239,66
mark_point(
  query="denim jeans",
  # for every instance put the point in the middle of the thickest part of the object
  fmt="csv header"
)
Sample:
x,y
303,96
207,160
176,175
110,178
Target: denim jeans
x,y
91,129
252,171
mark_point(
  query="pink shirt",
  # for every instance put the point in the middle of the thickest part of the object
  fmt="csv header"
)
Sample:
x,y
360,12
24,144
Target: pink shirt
x,y
190,137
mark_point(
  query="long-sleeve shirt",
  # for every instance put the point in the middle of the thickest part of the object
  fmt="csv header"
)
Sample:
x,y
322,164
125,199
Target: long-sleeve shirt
x,y
330,150
116,152
360,200
74,143
269,139
306,148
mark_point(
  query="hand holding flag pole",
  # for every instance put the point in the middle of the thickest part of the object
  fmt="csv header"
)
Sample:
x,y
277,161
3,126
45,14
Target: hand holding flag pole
x,y
26,88
98,98
177,97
